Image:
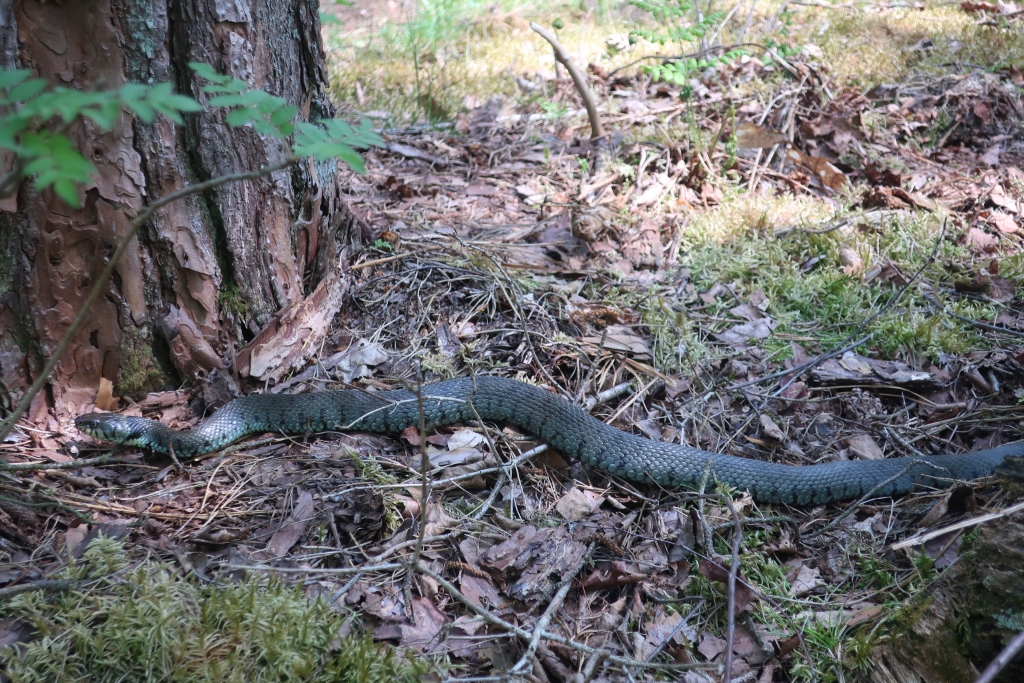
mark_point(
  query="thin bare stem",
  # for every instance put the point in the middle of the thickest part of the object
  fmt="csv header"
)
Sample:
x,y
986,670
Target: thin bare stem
x,y
596,129
424,495
1002,659
526,636
545,618
99,287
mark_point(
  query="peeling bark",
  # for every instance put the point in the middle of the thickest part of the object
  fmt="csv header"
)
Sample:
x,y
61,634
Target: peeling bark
x,y
208,272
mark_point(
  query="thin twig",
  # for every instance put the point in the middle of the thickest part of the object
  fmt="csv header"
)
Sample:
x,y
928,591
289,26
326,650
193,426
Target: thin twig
x,y
74,464
845,345
693,55
889,304
545,618
99,286
41,585
424,496
962,524
679,627
596,129
1002,659
337,571
734,567
514,302
850,509
505,473
970,321
526,636
334,497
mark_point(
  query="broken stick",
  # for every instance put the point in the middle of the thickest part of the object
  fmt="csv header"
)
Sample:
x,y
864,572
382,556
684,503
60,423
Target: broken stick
x,y
596,129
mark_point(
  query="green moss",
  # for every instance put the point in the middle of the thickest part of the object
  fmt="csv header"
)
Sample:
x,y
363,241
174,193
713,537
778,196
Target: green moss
x,y
139,373
231,300
811,295
150,623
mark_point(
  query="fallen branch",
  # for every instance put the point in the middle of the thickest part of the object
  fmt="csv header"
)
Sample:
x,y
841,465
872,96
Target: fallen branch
x,y
963,524
845,345
970,321
596,129
338,571
545,618
850,509
74,464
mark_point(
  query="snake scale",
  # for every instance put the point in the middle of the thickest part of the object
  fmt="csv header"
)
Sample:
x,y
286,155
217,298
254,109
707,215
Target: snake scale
x,y
562,425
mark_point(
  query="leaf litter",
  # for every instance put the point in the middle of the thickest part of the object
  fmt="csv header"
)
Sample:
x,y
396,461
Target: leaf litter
x,y
485,250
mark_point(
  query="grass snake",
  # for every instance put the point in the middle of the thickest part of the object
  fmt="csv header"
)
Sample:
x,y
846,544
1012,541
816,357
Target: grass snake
x,y
562,425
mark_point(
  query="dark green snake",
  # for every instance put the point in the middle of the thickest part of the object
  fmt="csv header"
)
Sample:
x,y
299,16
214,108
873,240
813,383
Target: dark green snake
x,y
561,424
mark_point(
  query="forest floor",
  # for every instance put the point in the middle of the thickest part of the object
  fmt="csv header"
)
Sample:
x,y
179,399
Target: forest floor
x,y
803,254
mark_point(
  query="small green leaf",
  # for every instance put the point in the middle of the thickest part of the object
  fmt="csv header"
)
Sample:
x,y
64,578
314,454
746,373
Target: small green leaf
x,y
240,117
67,191
206,71
329,19
269,105
354,161
233,100
106,114
12,77
283,115
26,90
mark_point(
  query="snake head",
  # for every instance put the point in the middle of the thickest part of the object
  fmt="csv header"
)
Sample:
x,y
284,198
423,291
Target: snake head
x,y
122,429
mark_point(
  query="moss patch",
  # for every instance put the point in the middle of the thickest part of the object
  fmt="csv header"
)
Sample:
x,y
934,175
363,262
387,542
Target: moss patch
x,y
149,623
139,373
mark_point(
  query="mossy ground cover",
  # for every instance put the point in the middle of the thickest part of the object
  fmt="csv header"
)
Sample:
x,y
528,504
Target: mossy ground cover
x,y
130,621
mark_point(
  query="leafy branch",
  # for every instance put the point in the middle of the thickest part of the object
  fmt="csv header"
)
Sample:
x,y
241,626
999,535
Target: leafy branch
x,y
35,119
674,27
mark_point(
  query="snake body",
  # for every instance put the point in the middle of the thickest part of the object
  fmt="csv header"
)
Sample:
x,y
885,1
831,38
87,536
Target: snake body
x,y
562,425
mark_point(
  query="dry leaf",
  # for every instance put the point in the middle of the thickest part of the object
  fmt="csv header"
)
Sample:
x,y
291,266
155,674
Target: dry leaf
x,y
739,335
991,156
830,176
105,399
710,646
752,136
864,447
851,261
574,505
1017,75
291,531
999,198
978,240
805,581
480,190
617,338
1002,222
429,622
713,571
771,430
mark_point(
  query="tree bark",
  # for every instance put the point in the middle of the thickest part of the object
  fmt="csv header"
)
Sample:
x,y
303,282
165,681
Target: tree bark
x,y
207,273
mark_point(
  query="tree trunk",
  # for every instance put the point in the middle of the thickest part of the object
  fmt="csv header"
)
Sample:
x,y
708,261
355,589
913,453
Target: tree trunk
x,y
208,272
